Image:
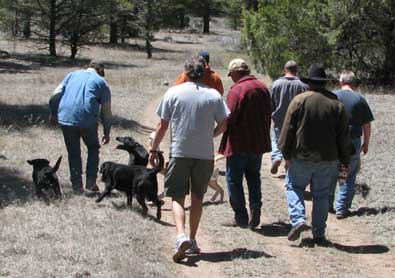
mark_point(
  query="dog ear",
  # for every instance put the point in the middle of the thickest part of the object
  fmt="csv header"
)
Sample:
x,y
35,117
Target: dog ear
x,y
30,162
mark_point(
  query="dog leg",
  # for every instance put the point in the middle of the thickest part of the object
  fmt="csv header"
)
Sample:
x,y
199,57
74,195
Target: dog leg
x,y
129,201
218,190
159,209
106,192
141,201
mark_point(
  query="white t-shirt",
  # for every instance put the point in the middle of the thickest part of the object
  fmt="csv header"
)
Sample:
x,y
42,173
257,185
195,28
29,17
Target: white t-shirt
x,y
192,110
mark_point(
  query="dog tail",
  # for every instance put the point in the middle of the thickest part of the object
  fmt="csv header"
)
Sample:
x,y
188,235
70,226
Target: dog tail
x,y
160,165
57,164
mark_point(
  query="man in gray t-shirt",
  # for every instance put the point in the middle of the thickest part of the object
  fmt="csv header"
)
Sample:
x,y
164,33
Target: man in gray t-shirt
x,y
195,114
282,92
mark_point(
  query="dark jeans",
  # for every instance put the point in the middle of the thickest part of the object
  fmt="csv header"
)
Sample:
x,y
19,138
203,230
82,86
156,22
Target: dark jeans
x,y
238,165
72,138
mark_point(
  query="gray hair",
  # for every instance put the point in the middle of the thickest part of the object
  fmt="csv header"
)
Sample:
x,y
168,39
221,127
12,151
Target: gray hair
x,y
194,67
348,77
291,66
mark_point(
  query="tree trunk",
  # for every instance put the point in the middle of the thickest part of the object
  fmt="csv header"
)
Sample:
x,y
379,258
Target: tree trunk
x,y
389,61
73,46
123,29
181,18
26,27
114,32
252,4
206,17
52,33
15,28
148,48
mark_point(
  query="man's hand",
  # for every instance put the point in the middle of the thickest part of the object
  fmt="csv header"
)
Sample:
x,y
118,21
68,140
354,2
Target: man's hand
x,y
287,164
153,157
105,139
53,120
365,148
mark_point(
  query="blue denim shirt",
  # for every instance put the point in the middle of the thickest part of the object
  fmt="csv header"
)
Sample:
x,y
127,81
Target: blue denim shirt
x,y
82,94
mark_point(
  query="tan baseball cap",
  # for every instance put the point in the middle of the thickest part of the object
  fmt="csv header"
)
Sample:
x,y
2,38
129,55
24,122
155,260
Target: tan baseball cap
x,y
238,65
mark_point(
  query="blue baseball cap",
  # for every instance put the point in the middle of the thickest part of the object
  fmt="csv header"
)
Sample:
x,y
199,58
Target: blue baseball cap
x,y
205,55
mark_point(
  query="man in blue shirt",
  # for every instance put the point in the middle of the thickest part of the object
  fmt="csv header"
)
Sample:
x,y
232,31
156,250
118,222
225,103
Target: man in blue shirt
x,y
359,118
82,96
282,92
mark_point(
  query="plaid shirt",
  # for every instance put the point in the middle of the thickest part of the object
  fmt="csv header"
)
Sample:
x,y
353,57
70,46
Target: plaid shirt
x,y
248,127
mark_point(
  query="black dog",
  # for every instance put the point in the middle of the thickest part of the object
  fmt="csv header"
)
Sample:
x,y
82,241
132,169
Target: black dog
x,y
133,180
138,155
45,178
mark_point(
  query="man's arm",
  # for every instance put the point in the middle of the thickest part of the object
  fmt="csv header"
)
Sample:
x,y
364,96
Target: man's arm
x,y
367,131
182,78
220,128
106,119
159,134
54,103
287,138
343,139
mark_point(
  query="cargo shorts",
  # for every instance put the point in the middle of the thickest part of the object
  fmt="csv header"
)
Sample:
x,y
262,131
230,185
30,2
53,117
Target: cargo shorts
x,y
186,175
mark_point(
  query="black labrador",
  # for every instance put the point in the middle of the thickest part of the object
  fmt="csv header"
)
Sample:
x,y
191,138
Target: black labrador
x,y
45,180
133,180
138,155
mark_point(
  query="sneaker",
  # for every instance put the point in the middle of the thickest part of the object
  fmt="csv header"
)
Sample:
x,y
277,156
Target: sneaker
x,y
182,245
194,248
343,215
255,218
275,166
295,232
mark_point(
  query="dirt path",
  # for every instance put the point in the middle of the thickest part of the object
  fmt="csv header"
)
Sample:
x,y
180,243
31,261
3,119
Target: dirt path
x,y
353,254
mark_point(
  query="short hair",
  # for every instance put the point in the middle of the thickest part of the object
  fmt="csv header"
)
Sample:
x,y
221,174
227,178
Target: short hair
x,y
348,77
194,67
96,64
291,66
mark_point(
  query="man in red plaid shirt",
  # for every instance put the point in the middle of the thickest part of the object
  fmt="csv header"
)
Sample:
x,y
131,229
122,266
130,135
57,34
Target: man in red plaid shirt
x,y
246,139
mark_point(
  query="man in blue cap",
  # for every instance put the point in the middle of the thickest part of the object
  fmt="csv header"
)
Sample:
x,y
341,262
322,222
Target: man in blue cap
x,y
210,77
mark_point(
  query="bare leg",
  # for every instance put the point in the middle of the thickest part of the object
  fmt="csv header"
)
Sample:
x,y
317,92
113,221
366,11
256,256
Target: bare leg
x,y
195,214
179,214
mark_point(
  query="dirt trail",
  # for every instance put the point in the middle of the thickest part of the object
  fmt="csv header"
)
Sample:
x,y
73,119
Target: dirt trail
x,y
353,247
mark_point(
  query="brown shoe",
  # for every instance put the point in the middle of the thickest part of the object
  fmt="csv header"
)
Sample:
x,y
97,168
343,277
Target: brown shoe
x,y
275,166
255,218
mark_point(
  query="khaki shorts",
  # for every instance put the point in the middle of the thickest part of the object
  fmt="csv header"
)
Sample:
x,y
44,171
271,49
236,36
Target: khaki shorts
x,y
187,174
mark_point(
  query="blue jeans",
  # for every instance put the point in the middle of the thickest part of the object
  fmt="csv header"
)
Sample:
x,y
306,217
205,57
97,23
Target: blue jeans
x,y
238,165
320,175
72,138
276,153
347,190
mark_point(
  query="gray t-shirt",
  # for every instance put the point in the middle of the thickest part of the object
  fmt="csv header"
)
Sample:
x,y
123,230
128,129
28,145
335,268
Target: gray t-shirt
x,y
282,92
192,110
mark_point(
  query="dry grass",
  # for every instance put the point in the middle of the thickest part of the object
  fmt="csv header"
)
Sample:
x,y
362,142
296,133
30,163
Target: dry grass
x,y
77,238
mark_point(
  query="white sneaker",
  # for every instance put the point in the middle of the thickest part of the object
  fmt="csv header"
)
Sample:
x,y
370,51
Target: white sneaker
x,y
182,245
194,248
